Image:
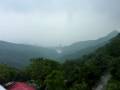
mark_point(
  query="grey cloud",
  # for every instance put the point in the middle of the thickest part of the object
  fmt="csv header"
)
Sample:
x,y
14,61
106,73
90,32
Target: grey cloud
x,y
54,22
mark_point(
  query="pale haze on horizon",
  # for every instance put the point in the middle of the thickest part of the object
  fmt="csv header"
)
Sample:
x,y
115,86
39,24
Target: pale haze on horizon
x,y
57,22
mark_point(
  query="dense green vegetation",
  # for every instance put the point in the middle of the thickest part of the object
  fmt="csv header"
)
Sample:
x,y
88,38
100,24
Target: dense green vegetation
x,y
79,74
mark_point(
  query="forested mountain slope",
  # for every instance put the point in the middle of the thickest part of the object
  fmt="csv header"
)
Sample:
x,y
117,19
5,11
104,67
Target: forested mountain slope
x,y
79,49
20,55
83,73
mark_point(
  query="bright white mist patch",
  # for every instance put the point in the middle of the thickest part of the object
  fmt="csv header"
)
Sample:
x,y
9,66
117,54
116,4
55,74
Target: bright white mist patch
x,y
59,51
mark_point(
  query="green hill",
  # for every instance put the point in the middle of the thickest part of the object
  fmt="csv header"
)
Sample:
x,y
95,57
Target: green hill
x,y
83,73
79,49
20,54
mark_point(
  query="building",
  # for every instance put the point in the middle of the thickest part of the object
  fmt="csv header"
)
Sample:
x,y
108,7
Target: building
x,y
20,86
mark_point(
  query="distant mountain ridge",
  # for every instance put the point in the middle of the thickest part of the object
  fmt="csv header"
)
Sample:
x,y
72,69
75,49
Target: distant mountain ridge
x,y
19,54
81,48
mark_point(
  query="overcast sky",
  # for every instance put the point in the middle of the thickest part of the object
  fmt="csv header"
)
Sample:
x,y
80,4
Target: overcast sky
x,y
57,22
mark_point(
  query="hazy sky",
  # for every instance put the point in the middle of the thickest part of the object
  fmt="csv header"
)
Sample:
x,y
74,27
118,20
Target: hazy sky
x,y
55,22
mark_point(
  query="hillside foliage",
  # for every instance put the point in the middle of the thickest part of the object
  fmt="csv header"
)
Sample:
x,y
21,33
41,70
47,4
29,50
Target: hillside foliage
x,y
79,74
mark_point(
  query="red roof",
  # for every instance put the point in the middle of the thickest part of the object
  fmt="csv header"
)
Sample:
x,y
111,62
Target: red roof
x,y
20,86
